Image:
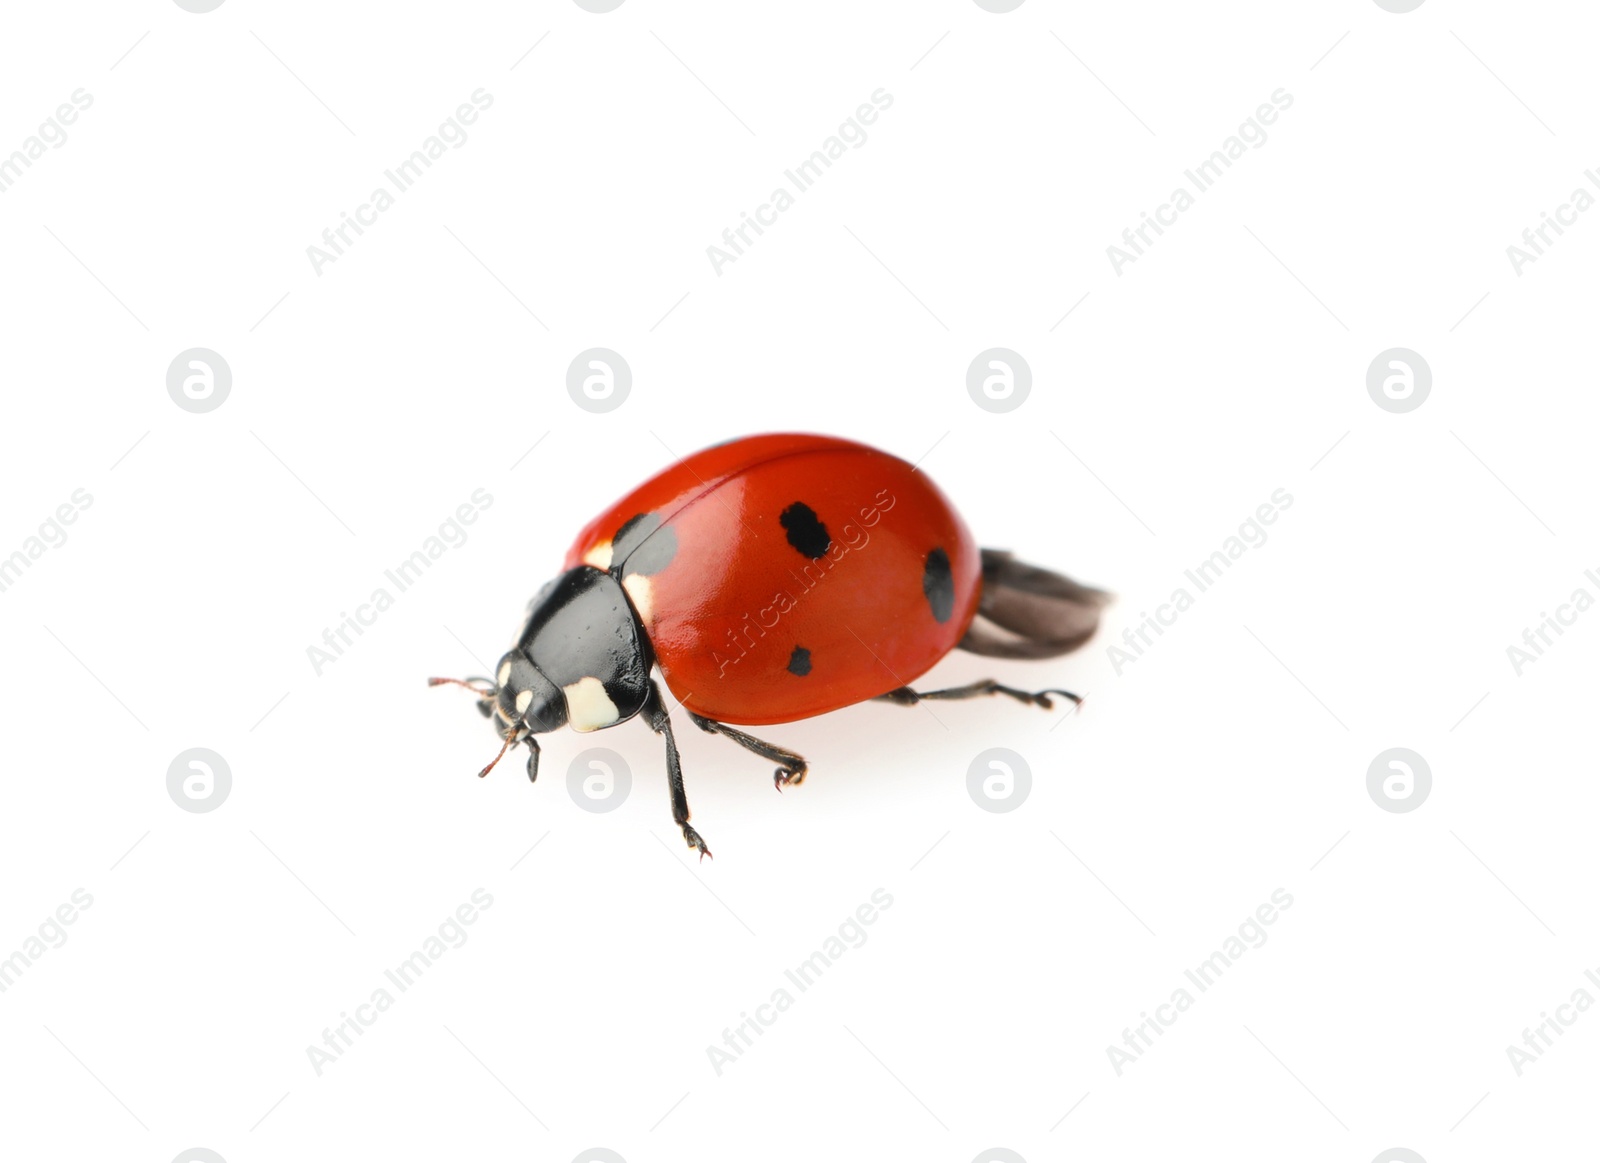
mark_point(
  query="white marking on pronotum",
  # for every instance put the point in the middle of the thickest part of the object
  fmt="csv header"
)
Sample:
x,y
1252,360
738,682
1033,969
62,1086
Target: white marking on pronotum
x,y
505,673
588,706
523,699
642,591
599,556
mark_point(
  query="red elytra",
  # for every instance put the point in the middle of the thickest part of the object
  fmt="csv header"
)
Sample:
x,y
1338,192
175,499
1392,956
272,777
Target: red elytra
x,y
843,583
771,578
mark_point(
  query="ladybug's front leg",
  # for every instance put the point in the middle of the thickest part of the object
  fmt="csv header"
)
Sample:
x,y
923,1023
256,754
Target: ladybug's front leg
x,y
793,770
655,713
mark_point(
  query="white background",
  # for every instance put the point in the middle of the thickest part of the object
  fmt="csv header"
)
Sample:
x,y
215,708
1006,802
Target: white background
x,y
1228,761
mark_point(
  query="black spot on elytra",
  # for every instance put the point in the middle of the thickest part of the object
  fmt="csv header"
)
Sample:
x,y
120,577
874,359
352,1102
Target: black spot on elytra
x,y
938,586
806,533
800,661
643,545
633,531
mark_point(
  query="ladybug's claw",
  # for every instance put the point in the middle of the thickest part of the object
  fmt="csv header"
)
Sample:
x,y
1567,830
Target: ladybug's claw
x,y
786,776
693,839
1042,699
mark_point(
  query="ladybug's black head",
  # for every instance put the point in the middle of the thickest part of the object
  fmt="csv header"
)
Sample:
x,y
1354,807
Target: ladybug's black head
x,y
524,699
582,660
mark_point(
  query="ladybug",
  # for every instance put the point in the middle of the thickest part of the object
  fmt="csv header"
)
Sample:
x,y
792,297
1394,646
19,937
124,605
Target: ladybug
x,y
768,579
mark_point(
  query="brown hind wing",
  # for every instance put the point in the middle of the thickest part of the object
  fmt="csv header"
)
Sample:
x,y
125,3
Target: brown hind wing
x,y
1028,612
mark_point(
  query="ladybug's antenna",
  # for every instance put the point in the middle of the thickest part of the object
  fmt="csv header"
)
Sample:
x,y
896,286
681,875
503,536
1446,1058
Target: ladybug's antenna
x,y
512,738
483,692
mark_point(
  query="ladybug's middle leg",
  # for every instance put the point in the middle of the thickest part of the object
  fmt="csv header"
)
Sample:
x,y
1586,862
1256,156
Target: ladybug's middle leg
x,y
906,697
655,713
793,769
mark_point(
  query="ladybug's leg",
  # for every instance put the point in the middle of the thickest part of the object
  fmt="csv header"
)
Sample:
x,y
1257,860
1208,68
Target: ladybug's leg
x,y
793,770
655,713
906,697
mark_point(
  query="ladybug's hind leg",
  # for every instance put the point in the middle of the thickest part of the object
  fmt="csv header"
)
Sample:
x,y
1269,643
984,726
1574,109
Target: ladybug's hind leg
x,y
906,697
793,767
655,713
